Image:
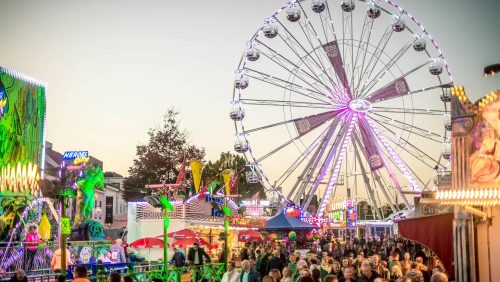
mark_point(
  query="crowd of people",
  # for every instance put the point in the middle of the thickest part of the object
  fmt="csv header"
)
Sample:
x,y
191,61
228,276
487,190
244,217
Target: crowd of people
x,y
379,260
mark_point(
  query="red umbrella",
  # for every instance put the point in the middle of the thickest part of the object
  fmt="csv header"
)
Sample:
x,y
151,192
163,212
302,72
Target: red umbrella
x,y
189,241
186,233
249,236
147,242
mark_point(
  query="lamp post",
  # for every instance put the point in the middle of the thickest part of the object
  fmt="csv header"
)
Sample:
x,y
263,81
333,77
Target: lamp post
x,y
65,225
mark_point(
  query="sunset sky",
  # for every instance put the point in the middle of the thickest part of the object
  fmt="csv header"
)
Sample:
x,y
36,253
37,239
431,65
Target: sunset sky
x,y
115,67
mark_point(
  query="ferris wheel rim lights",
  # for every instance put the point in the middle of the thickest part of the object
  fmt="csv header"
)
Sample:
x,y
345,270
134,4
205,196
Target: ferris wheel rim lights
x,y
351,105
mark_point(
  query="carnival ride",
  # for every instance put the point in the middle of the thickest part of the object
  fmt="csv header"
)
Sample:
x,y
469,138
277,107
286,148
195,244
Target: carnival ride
x,y
343,93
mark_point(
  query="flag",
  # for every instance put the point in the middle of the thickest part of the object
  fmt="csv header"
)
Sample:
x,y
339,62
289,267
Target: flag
x,y
196,167
227,174
181,177
256,199
234,185
212,186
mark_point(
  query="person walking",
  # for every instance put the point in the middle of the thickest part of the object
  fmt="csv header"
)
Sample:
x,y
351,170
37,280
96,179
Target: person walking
x,y
248,274
178,259
231,275
196,255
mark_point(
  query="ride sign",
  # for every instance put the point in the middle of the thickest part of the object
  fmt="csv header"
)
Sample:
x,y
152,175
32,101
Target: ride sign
x,y
65,225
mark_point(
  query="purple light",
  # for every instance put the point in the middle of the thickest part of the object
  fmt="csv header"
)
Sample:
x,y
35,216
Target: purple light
x,y
395,157
338,164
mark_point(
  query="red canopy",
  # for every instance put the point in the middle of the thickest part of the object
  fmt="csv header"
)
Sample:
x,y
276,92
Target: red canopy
x,y
435,232
249,236
189,241
186,233
147,243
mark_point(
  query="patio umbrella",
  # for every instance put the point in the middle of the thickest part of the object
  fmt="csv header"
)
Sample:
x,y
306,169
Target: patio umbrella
x,y
186,233
249,236
189,241
147,243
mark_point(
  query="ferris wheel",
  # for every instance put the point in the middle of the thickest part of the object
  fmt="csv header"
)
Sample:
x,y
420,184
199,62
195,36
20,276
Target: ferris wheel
x,y
343,99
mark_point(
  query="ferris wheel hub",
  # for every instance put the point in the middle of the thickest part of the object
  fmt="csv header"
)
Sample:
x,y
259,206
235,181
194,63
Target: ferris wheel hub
x,y
360,105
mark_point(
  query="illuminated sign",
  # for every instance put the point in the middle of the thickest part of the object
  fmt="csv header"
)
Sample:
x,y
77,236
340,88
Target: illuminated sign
x,y
77,157
317,221
247,222
336,204
352,217
20,179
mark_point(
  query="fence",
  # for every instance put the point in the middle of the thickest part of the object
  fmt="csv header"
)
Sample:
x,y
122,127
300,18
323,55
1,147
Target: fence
x,y
138,273
35,260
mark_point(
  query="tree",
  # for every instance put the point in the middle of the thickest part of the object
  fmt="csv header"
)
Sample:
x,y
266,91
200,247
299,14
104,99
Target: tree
x,y
159,161
227,160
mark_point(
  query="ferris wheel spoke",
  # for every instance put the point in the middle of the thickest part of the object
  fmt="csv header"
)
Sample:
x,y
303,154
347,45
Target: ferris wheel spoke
x,y
425,133
411,171
304,180
361,45
302,131
389,170
364,172
332,181
294,68
313,34
418,151
276,124
318,55
396,88
306,59
305,50
368,86
317,144
375,57
292,87
414,111
394,91
377,179
294,73
281,103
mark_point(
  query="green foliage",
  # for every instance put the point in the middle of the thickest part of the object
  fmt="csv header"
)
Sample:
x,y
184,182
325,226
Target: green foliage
x,y
159,160
227,160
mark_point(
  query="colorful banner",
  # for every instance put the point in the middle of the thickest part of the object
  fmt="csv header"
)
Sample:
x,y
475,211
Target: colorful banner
x,y
307,124
333,53
370,148
196,168
227,174
394,89
22,118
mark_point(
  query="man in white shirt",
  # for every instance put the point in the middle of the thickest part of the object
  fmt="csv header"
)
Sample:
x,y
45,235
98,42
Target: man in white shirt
x,y
231,275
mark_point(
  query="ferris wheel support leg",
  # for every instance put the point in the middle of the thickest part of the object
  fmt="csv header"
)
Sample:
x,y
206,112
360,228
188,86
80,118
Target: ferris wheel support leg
x,y
309,170
365,177
387,196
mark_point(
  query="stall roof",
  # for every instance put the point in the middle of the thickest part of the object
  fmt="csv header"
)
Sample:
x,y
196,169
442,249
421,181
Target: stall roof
x,y
282,221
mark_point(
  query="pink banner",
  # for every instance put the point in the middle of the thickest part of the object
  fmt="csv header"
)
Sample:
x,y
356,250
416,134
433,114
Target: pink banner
x,y
307,124
396,88
333,53
370,150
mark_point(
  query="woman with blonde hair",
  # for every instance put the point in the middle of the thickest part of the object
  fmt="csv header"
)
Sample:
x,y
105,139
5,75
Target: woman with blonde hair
x,y
287,275
396,272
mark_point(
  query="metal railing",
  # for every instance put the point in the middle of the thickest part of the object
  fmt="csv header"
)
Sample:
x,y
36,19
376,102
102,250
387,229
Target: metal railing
x,y
35,259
